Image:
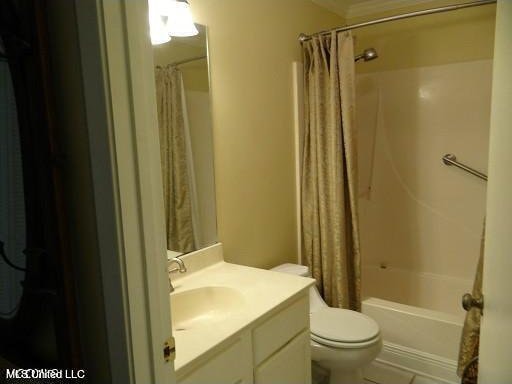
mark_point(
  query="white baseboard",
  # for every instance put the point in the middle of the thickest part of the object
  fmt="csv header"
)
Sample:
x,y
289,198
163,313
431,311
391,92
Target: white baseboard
x,y
419,362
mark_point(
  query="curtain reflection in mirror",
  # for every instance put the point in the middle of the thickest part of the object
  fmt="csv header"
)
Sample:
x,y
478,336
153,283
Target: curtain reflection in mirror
x,y
180,195
186,139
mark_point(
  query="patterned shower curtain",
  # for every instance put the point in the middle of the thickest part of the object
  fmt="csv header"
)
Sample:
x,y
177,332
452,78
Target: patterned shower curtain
x,y
177,168
330,234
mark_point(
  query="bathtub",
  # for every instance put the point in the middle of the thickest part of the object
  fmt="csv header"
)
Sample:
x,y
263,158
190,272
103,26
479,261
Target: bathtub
x,y
420,318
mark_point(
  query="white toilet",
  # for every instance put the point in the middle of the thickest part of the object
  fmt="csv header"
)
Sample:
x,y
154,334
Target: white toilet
x,y
342,341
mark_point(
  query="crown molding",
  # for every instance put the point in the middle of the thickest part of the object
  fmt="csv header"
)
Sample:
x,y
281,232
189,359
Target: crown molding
x,y
372,7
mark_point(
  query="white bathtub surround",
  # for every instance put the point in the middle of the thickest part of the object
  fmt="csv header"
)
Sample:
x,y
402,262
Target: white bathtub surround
x,y
440,293
421,220
417,340
409,119
238,303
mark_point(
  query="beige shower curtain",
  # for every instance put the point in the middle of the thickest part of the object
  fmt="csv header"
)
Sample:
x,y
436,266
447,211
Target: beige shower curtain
x,y
330,233
175,168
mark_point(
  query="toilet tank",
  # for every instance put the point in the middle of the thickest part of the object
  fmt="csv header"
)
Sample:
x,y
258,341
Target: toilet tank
x,y
293,269
315,300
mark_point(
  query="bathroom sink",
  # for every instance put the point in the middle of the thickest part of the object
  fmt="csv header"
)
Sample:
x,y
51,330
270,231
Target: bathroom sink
x,y
205,306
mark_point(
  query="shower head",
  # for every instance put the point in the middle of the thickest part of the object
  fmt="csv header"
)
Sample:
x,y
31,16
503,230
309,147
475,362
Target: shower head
x,y
367,55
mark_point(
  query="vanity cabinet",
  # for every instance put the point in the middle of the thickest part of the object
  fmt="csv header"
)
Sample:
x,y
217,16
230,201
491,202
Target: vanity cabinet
x,y
290,365
281,348
228,367
274,350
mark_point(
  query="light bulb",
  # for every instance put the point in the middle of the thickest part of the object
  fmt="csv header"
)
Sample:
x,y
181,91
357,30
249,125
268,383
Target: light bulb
x,y
179,22
157,29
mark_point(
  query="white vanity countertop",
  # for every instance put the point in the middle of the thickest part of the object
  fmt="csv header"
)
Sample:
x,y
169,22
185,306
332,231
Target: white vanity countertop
x,y
262,291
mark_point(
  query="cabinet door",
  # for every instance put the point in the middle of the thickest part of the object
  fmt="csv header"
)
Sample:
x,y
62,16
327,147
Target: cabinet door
x,y
290,365
279,329
232,366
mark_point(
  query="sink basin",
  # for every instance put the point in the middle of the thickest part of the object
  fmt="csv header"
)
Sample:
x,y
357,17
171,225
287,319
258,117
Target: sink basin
x,y
201,307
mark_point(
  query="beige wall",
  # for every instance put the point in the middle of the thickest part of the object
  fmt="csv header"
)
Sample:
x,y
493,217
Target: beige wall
x,y
441,38
252,46
200,125
195,73
195,76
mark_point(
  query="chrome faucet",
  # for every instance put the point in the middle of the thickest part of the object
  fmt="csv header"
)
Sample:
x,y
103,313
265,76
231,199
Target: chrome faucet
x,y
181,268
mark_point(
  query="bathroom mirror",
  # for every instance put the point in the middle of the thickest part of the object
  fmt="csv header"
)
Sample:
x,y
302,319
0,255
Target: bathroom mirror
x,y
186,143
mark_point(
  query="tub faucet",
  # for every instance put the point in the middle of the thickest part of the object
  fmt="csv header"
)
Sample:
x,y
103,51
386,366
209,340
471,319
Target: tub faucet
x,y
181,268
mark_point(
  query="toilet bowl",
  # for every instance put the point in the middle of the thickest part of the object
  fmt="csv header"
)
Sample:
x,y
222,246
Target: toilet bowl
x,y
343,341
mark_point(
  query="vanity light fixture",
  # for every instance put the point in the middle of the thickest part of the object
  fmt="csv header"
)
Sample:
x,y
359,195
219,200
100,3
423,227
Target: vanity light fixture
x,y
179,22
170,18
157,27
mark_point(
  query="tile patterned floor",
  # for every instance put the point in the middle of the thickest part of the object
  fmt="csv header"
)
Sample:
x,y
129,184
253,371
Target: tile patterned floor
x,y
415,380
379,373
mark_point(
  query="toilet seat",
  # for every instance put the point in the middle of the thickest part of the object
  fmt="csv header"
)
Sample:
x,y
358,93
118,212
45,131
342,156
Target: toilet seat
x,y
343,328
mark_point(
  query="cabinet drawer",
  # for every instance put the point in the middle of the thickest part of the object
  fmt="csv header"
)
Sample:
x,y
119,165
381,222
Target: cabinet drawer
x,y
290,365
231,366
280,328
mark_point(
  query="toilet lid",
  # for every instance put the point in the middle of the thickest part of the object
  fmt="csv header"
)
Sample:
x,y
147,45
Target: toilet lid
x,y
343,325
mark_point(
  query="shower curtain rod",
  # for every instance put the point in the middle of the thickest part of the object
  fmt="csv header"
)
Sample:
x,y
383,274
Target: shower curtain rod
x,y
303,37
183,61
189,60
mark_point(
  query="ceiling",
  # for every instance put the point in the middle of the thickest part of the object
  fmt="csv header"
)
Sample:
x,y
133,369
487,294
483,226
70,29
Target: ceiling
x,y
198,40
182,48
360,8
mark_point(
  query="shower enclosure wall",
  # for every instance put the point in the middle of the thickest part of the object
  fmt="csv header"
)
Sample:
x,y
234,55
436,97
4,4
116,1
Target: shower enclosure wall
x,y
421,222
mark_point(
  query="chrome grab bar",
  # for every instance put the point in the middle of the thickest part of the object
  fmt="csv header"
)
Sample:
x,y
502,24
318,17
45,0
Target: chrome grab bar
x,y
450,159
